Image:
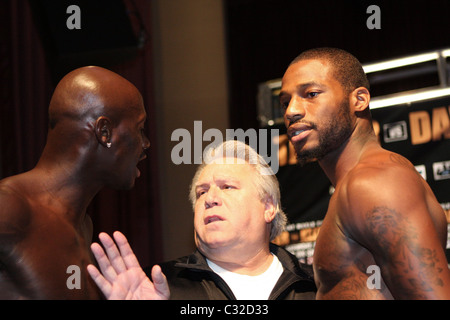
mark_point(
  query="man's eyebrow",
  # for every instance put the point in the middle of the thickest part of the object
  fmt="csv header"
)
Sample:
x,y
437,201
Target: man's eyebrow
x,y
220,180
201,185
303,86
311,84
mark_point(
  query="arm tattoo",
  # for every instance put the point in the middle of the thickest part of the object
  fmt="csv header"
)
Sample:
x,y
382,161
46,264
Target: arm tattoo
x,y
398,240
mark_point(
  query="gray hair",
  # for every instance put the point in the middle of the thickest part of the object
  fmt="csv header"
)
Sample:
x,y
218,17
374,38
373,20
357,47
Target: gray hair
x,y
234,151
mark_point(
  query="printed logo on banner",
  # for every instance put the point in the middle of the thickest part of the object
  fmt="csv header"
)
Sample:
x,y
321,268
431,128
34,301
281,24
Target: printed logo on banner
x,y
396,131
422,170
441,170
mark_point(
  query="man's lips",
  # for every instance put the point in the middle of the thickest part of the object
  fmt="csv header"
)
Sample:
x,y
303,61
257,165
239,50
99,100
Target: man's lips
x,y
297,132
138,172
211,219
143,157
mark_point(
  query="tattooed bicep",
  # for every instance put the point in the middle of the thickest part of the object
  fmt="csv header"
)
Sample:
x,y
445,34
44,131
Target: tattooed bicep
x,y
410,259
388,226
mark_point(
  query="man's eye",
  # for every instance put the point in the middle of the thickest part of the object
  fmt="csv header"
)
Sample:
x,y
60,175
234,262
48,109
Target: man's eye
x,y
312,94
200,193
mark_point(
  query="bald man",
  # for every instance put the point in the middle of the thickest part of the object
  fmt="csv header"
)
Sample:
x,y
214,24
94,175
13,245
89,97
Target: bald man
x,y
95,139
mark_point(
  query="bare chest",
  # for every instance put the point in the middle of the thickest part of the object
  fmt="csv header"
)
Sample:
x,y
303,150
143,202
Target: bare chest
x,y
343,268
49,263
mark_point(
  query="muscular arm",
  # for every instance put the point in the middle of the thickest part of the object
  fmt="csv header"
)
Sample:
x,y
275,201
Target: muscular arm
x,y
392,216
412,262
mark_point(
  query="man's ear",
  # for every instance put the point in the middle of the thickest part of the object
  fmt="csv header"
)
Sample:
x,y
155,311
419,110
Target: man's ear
x,y
103,131
360,98
270,210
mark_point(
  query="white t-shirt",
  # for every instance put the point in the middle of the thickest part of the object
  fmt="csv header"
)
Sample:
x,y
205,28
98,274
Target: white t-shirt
x,y
250,287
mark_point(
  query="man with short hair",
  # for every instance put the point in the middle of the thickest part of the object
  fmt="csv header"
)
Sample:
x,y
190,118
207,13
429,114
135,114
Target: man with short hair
x,y
383,216
237,212
95,139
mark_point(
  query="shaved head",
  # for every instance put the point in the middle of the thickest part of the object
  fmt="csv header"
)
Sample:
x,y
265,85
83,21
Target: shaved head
x,y
88,104
90,92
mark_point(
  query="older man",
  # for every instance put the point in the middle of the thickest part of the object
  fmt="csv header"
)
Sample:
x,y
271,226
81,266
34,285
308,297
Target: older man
x,y
95,139
237,207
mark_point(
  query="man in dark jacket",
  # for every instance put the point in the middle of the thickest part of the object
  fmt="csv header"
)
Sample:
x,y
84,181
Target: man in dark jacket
x,y
236,201
190,278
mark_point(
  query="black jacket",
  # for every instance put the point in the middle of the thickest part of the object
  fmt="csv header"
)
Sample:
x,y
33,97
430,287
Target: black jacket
x,y
190,278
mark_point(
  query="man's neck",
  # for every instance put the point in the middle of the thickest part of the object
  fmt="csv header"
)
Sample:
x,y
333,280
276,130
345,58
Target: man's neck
x,y
246,264
64,191
339,162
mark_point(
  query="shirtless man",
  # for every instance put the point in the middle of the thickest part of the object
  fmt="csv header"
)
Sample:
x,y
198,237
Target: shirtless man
x,y
382,213
95,139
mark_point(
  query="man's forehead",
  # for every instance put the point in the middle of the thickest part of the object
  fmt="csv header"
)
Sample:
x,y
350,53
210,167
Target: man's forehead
x,y
316,67
221,169
307,73
206,180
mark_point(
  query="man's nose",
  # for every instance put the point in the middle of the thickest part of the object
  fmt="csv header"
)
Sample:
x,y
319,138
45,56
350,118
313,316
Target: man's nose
x,y
294,111
145,142
213,198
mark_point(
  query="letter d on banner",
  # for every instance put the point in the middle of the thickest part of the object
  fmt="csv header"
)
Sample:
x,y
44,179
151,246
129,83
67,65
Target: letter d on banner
x,y
419,122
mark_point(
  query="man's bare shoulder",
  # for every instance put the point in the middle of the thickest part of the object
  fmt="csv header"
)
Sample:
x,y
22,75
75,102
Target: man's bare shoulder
x,y
15,211
383,179
386,183
385,170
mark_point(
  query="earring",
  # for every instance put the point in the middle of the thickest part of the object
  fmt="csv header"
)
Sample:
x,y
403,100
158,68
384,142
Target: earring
x,y
108,144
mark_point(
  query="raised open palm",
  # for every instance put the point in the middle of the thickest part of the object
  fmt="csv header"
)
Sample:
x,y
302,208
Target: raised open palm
x,y
121,277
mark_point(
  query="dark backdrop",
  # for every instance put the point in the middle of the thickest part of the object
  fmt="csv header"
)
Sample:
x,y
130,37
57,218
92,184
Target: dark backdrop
x,y
264,36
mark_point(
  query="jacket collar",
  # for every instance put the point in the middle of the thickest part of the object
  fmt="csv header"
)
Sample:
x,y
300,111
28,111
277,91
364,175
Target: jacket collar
x,y
197,261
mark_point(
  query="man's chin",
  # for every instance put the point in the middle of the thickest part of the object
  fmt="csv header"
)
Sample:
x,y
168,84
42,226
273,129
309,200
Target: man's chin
x,y
302,161
305,156
124,186
211,243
